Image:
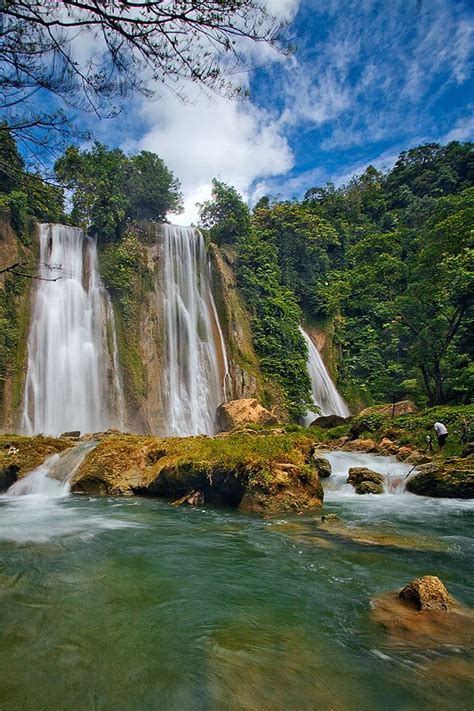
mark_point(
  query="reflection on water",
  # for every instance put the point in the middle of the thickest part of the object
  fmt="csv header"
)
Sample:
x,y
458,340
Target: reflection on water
x,y
134,604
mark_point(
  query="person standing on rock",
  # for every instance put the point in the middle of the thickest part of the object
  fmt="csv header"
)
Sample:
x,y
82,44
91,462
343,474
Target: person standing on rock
x,y
441,433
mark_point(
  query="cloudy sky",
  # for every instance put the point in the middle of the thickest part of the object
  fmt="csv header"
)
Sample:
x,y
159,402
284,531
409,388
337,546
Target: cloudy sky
x,y
367,79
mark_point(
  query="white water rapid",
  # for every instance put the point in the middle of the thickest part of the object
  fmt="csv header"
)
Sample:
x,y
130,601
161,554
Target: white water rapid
x,y
73,381
325,394
195,353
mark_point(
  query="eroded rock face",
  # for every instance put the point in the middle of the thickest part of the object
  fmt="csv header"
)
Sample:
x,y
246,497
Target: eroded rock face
x,y
261,474
427,593
365,481
238,413
322,465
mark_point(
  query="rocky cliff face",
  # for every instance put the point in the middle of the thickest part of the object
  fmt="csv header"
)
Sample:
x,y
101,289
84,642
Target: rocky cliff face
x,y
15,293
139,324
245,374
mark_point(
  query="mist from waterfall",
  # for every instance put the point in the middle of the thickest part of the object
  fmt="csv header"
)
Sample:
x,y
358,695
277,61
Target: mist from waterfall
x,y
195,353
325,394
73,381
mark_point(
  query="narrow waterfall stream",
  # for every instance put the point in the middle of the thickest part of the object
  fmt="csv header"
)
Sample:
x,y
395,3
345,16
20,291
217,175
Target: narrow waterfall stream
x,y
195,356
72,382
51,479
325,394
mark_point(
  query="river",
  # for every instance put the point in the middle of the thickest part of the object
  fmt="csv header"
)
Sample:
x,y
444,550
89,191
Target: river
x,y
131,603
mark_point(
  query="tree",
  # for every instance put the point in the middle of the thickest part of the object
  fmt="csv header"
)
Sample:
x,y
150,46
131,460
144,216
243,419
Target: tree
x,y
226,216
110,188
152,189
135,43
305,245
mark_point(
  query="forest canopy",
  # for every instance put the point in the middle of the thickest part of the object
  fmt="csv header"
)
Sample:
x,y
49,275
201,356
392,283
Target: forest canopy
x,y
385,261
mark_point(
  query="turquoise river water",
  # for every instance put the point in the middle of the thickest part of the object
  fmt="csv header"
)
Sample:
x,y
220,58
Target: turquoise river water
x,y
135,604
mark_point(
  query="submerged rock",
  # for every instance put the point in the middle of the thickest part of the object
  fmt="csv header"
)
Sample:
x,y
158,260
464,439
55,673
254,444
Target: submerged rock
x,y
238,413
322,465
427,593
430,628
451,483
330,518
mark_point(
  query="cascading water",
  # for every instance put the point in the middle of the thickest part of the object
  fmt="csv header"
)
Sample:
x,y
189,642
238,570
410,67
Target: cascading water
x,y
72,381
51,479
325,394
195,353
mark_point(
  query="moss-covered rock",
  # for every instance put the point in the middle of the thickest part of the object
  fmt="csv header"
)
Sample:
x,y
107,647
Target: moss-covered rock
x,y
365,481
20,455
263,474
453,483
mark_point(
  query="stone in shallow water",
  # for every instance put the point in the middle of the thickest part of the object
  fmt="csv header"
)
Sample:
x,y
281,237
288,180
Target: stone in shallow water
x,y
365,481
427,593
369,487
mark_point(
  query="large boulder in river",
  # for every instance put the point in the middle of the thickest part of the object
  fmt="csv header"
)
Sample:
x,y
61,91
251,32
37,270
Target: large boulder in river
x,y
262,474
238,413
427,593
452,483
365,481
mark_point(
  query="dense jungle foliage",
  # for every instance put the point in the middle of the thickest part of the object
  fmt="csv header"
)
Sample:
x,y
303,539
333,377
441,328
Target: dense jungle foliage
x,y
383,262
385,259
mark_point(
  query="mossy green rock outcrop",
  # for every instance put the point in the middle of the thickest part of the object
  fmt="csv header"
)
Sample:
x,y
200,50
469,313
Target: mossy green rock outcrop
x,y
20,455
456,482
264,474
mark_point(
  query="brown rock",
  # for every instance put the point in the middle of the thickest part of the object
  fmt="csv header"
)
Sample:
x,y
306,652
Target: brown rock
x,y
427,593
238,413
428,468
389,446
404,453
369,487
361,445
322,465
404,407
359,474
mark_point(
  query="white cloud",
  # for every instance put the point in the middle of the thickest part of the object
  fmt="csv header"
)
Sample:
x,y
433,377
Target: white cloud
x,y
234,141
462,131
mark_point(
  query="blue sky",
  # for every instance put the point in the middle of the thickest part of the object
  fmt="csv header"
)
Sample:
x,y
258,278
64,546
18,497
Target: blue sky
x,y
367,79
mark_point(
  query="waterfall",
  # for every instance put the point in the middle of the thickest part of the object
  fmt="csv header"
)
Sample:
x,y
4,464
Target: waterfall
x,y
72,381
195,356
325,394
51,479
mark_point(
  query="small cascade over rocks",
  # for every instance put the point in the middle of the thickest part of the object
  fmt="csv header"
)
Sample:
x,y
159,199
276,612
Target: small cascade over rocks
x,y
196,362
73,380
325,394
394,474
51,479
